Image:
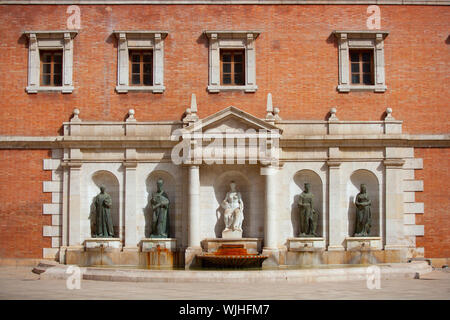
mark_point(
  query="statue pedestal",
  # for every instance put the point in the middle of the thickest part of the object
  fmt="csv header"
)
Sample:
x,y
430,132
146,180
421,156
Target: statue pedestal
x,y
363,243
105,243
253,245
230,234
306,244
159,253
153,244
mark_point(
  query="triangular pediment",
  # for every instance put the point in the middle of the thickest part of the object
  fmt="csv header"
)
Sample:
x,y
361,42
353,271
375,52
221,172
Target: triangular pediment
x,y
231,119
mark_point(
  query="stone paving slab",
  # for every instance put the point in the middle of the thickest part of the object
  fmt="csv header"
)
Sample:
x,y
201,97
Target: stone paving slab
x,y
21,283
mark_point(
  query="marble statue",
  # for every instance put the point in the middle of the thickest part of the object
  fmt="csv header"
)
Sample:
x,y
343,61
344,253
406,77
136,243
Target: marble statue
x,y
308,215
102,207
363,213
234,210
160,206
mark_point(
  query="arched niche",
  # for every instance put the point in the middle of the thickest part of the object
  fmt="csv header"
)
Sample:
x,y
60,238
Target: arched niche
x,y
169,187
111,184
297,186
368,178
221,187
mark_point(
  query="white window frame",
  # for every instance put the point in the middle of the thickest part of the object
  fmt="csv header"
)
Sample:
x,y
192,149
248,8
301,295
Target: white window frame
x,y
372,40
232,40
140,40
50,40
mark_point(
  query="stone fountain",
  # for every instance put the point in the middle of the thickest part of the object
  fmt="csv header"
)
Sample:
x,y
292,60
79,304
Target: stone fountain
x,y
232,255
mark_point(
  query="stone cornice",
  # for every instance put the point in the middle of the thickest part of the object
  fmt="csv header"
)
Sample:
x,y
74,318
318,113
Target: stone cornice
x,y
51,33
55,142
227,2
141,33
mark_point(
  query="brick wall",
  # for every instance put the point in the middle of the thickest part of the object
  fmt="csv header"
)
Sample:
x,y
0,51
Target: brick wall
x,y
21,199
436,179
296,60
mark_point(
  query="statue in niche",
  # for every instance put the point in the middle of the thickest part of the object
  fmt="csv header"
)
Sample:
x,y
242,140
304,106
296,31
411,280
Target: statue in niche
x,y
234,211
363,213
308,215
102,208
160,207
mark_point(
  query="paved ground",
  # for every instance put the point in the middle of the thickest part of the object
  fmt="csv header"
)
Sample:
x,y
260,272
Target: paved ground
x,y
21,283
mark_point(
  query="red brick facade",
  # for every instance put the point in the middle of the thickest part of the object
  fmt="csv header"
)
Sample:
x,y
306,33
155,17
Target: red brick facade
x,y
435,174
21,199
296,60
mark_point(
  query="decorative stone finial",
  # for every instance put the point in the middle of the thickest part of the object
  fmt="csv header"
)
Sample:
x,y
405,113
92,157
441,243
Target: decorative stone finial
x,y
131,115
276,111
75,117
272,113
389,114
333,115
191,113
193,103
269,103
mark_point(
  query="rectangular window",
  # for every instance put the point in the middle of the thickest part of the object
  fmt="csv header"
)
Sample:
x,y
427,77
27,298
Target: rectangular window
x,y
51,68
232,67
141,67
361,67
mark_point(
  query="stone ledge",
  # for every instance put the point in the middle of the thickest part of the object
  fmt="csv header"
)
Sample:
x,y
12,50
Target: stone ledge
x,y
231,2
387,271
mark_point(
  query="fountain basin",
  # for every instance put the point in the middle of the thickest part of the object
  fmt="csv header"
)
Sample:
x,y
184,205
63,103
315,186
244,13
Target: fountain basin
x,y
231,256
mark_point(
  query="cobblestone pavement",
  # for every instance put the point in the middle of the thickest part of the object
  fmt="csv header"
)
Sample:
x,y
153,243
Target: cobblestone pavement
x,y
21,283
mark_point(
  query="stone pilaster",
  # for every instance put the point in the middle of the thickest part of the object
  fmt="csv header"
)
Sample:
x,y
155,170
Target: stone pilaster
x,y
394,238
336,218
131,241
74,226
194,216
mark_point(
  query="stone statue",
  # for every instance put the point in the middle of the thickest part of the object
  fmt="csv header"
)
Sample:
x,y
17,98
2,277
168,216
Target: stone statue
x,y
234,211
363,214
160,206
308,216
102,207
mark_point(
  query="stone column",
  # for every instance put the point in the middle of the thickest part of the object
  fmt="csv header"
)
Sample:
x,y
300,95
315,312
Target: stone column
x,y
130,206
394,238
194,206
270,227
270,217
194,216
336,217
